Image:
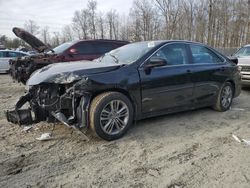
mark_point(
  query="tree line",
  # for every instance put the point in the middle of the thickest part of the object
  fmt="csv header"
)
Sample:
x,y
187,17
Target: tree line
x,y
218,23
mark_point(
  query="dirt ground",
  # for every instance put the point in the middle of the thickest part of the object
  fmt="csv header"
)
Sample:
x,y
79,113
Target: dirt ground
x,y
190,149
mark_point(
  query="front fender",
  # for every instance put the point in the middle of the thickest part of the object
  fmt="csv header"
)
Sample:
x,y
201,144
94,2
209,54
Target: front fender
x,y
82,111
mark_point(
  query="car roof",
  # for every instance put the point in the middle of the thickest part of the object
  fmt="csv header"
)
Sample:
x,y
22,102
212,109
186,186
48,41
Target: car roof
x,y
184,41
248,45
102,40
161,42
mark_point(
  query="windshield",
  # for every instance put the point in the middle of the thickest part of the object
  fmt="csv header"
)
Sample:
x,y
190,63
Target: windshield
x,y
245,51
61,48
128,54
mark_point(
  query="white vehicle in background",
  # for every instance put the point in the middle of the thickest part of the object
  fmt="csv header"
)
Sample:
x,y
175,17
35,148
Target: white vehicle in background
x,y
243,55
6,55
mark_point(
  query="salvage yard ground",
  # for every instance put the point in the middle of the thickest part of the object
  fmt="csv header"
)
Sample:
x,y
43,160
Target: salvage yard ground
x,y
189,149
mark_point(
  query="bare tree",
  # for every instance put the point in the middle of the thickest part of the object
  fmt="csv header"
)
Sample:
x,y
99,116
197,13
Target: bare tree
x,y
67,33
32,27
101,25
92,6
55,40
45,34
113,24
80,24
170,9
219,23
248,23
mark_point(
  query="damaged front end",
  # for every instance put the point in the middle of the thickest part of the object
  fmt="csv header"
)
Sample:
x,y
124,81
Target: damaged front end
x,y
52,102
61,92
23,67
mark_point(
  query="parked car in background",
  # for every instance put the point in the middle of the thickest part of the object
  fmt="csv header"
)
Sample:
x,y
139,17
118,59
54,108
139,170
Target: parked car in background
x,y
243,55
22,68
133,82
6,56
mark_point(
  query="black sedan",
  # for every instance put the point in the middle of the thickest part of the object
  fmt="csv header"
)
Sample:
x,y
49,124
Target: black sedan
x,y
136,81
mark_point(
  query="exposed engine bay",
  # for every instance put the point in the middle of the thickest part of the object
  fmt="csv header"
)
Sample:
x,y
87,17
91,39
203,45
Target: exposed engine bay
x,y
51,102
22,67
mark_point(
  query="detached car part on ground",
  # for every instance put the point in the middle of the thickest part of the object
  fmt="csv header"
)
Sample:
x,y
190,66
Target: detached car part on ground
x,y
130,83
243,56
23,67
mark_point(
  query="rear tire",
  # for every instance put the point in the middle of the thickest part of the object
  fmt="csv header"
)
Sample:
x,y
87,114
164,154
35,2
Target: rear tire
x,y
224,98
111,115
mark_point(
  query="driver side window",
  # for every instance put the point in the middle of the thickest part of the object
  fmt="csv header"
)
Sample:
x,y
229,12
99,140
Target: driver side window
x,y
174,54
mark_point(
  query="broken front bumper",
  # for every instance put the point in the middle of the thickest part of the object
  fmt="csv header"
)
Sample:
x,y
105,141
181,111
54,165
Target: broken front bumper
x,y
20,116
75,115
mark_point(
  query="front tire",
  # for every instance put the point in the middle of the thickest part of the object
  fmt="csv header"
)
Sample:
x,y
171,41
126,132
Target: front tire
x,y
224,98
111,115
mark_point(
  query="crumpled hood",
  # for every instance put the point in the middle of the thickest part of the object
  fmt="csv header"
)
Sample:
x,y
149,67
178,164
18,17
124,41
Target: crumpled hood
x,y
62,73
30,39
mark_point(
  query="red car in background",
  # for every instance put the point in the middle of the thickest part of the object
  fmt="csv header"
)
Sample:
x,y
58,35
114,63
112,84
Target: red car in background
x,y
21,68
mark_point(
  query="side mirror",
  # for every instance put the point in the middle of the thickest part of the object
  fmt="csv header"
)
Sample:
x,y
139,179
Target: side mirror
x,y
73,51
156,62
234,60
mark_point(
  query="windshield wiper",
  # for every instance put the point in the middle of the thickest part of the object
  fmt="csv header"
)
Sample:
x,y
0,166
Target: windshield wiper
x,y
115,58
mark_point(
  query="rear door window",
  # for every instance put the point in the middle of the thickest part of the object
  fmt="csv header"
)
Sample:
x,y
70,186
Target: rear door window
x,y
85,48
103,47
202,55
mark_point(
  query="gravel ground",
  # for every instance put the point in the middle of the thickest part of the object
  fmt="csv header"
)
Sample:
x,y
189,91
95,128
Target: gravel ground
x,y
189,149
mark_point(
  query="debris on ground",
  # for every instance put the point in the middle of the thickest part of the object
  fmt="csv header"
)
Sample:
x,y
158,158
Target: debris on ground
x,y
190,149
237,109
236,138
246,141
240,140
45,137
27,128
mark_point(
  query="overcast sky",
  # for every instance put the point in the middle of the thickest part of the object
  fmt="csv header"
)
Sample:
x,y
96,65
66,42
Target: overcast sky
x,y
53,13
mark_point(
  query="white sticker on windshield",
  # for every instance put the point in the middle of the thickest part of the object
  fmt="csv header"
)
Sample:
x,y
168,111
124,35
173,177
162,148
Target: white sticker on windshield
x,y
151,44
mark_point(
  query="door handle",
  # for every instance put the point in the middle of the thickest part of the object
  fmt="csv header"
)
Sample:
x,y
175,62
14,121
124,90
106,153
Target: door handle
x,y
189,71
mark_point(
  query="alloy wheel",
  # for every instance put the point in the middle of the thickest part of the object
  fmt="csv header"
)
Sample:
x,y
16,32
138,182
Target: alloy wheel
x,y
114,117
226,96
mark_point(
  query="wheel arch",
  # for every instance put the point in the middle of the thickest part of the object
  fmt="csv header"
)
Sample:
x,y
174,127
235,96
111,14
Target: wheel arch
x,y
120,90
233,85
